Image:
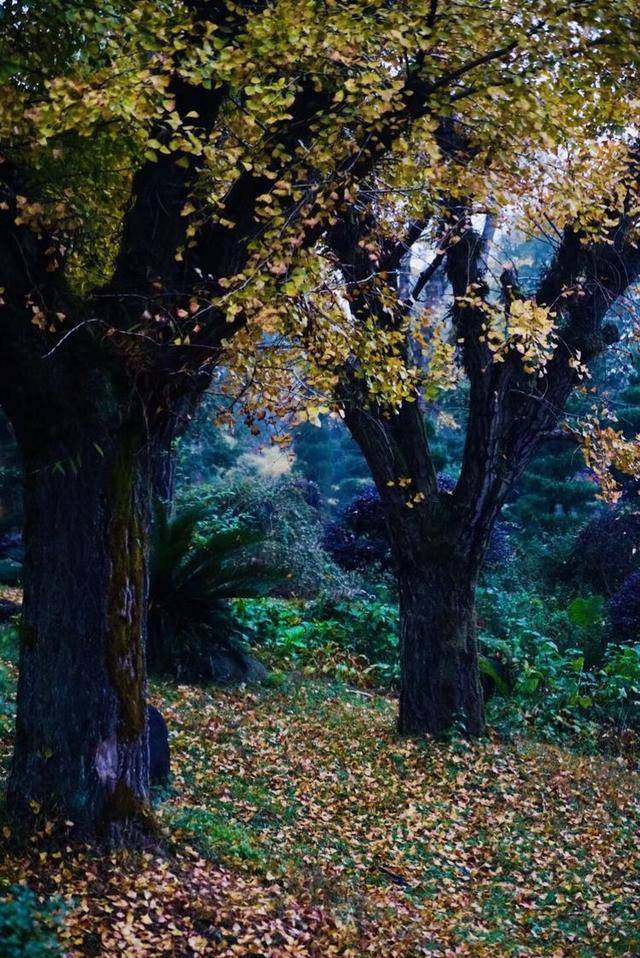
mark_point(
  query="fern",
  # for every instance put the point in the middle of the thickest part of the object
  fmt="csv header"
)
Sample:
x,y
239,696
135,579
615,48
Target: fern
x,y
192,579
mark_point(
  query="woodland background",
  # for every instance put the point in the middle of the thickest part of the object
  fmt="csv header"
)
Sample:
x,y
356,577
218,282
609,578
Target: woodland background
x,y
319,463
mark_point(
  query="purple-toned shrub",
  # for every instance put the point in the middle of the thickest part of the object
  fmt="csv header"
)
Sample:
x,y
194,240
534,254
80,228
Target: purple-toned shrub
x,y
607,551
358,539
623,612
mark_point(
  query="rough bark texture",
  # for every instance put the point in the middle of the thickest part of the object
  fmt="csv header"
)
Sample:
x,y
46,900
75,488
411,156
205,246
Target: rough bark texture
x,y
81,750
436,571
440,686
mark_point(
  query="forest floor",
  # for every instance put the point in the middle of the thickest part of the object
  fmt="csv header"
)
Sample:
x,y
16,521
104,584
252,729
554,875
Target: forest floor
x,y
298,824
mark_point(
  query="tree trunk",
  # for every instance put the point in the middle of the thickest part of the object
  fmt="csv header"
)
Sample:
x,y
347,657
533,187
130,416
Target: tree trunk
x,y
81,747
163,479
440,682
436,571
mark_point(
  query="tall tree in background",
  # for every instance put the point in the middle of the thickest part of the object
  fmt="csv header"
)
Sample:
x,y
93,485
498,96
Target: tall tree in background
x,y
166,171
522,357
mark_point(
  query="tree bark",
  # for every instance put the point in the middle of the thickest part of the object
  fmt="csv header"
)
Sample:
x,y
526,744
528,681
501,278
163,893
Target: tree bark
x,y
437,561
440,682
81,747
163,483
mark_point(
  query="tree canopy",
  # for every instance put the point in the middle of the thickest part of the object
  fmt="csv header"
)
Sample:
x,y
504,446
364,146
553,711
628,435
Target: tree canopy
x,y
197,186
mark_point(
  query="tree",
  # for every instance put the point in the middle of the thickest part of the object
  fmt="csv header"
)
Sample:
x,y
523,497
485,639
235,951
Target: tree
x,y
522,357
167,172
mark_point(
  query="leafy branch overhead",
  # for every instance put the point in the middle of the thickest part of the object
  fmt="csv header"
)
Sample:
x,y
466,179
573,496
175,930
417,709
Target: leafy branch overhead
x,y
175,163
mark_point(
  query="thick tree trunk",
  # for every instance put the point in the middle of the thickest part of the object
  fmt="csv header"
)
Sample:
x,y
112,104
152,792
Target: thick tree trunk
x,y
436,565
163,484
81,747
440,682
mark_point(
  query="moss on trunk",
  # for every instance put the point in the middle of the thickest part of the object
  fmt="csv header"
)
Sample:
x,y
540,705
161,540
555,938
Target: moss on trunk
x,y
127,608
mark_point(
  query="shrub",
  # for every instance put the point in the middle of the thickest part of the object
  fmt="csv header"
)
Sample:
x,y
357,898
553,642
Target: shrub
x,y
618,697
29,928
9,643
358,540
8,679
292,529
193,576
607,551
499,550
623,611
509,612
558,688
356,641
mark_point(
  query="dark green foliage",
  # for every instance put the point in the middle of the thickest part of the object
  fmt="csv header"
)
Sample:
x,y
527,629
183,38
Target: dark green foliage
x,y
553,489
278,508
28,927
558,696
586,612
329,457
193,575
606,551
8,656
297,634
366,627
623,612
563,682
495,675
533,659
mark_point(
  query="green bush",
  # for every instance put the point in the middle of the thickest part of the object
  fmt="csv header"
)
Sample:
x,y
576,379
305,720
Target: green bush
x,y
554,689
300,635
9,643
8,659
29,928
557,689
508,611
292,530
618,696
193,577
566,682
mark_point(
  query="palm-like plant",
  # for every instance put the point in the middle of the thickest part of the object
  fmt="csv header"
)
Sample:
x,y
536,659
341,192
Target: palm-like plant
x,y
193,576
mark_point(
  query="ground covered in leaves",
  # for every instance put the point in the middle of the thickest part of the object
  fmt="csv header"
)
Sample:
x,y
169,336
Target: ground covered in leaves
x,y
302,826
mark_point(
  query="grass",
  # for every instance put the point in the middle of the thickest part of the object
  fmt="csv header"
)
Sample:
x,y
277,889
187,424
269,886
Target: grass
x,y
299,824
